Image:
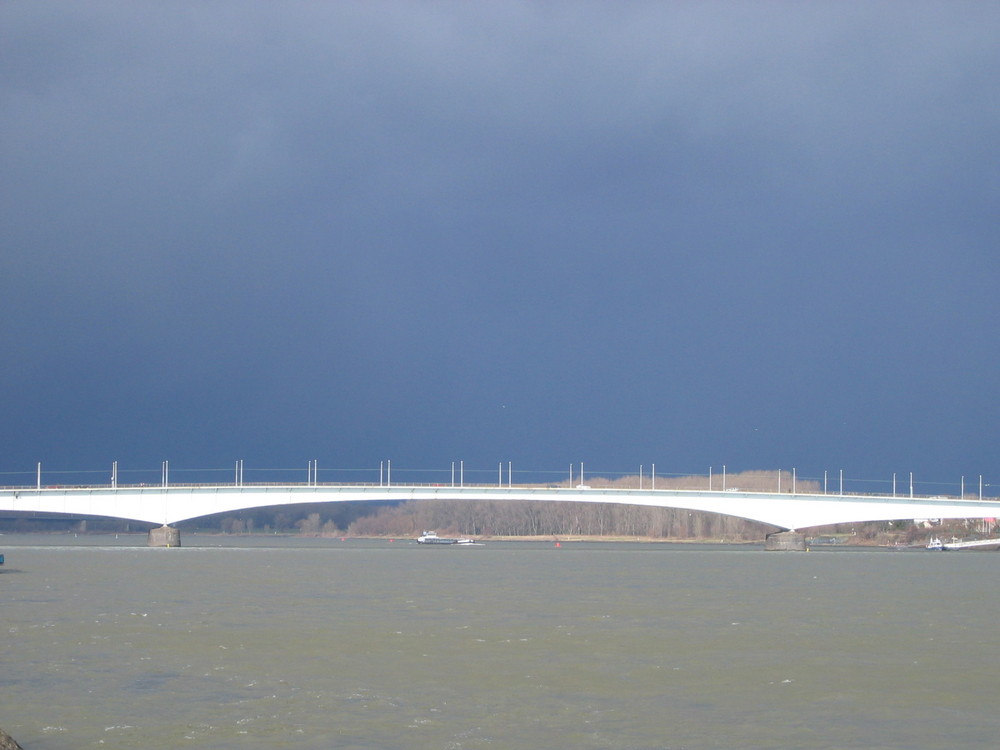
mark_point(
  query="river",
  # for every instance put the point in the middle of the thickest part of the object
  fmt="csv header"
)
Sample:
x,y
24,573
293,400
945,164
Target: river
x,y
260,642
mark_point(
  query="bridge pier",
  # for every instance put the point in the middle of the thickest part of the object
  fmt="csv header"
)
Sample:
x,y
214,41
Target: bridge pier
x,y
785,541
164,536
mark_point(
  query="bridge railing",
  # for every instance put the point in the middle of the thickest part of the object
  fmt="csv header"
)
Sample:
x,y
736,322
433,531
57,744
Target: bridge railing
x,y
597,488
502,474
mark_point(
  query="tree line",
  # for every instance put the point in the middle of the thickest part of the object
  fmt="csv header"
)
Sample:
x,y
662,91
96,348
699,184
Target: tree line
x,y
523,518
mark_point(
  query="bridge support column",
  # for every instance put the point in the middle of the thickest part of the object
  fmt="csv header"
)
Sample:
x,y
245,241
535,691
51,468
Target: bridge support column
x,y
164,536
785,541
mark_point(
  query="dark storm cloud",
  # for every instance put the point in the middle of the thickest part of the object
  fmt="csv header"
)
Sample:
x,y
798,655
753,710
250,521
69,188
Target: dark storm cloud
x,y
761,234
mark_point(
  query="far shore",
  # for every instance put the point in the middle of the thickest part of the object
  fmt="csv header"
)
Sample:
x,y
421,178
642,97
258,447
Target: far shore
x,y
843,540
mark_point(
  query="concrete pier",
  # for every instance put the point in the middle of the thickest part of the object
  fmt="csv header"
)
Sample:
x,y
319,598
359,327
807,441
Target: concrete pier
x,y
164,536
785,541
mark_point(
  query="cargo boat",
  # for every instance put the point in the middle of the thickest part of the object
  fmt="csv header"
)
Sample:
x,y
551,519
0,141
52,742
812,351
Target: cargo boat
x,y
431,537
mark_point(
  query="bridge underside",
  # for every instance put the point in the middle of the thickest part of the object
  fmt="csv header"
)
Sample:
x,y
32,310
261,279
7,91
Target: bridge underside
x,y
170,505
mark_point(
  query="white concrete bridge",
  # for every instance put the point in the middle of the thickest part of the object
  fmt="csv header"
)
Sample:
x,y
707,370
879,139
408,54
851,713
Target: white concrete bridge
x,y
788,511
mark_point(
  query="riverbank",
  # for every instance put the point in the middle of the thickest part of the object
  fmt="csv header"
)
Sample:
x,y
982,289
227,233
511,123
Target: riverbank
x,y
139,538
7,742
894,538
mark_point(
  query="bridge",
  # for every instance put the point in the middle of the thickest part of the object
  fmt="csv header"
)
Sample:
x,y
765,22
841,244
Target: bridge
x,y
789,511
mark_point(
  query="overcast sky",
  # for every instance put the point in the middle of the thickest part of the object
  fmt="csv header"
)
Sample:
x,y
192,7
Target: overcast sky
x,y
763,235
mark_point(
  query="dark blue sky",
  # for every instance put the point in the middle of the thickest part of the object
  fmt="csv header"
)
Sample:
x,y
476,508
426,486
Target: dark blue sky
x,y
756,234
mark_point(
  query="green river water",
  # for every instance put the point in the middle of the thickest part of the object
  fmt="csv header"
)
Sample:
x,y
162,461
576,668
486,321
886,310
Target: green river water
x,y
320,643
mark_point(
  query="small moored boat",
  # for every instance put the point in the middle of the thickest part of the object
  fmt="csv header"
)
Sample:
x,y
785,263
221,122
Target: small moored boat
x,y
957,544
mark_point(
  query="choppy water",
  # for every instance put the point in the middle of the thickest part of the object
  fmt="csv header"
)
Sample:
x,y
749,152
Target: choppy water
x,y
327,644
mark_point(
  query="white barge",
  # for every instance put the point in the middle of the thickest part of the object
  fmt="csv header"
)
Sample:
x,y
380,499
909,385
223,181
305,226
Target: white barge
x,y
431,537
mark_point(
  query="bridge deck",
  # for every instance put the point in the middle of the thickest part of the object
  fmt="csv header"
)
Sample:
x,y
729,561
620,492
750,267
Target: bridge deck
x,y
179,502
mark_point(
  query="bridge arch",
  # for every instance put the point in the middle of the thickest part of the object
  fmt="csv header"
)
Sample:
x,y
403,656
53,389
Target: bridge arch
x,y
173,504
